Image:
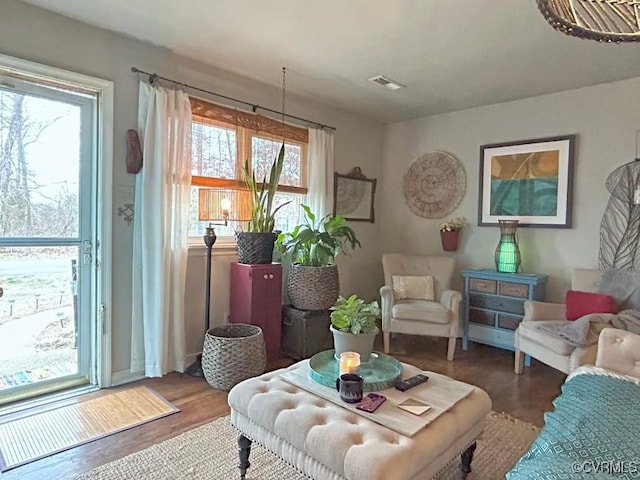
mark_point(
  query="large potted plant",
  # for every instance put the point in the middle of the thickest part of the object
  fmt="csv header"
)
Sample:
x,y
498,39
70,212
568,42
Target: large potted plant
x,y
256,244
312,246
353,324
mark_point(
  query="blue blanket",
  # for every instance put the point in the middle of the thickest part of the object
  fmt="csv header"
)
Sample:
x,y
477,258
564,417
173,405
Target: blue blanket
x,y
593,433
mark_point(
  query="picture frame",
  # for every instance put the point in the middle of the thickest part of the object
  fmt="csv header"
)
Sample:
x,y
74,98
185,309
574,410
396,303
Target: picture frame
x,y
530,181
353,196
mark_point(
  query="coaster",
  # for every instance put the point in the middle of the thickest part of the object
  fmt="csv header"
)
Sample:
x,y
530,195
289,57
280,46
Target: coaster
x,y
414,406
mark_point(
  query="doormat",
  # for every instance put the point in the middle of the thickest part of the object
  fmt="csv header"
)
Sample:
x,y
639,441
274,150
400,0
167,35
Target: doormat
x,y
32,437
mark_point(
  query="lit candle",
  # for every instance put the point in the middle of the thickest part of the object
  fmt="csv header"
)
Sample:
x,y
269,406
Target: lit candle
x,y
349,362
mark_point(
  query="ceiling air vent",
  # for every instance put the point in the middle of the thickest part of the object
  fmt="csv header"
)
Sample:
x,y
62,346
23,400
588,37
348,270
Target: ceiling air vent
x,y
386,82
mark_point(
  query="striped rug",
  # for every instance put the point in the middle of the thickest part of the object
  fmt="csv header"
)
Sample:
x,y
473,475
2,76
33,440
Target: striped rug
x,y
60,428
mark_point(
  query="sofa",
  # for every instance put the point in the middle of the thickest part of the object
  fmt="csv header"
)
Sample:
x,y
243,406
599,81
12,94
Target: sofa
x,y
593,430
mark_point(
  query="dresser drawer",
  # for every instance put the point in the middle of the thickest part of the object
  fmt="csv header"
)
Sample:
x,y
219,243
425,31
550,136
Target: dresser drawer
x,y
500,304
480,316
482,285
509,322
512,289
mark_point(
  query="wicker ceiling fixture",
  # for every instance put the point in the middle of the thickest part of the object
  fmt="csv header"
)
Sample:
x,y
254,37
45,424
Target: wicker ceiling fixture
x,y
612,21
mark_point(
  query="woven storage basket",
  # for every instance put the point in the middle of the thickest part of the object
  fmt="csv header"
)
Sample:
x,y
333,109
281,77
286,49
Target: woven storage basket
x,y
255,247
313,288
232,353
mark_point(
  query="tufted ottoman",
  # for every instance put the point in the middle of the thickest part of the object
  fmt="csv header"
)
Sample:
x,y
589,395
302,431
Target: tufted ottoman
x,y
325,441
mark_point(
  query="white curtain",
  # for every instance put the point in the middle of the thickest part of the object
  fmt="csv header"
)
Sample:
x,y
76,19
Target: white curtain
x,y
320,195
160,233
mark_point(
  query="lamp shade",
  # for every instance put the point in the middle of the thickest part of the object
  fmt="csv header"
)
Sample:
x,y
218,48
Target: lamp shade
x,y
602,20
218,204
507,252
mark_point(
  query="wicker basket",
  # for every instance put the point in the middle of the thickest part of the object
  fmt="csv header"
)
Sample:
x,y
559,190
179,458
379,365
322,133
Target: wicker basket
x,y
232,353
313,288
255,247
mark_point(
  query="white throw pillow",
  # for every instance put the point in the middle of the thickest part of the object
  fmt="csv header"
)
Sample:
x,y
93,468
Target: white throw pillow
x,y
413,287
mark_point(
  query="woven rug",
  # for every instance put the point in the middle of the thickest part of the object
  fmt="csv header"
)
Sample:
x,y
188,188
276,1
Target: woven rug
x,y
211,452
58,428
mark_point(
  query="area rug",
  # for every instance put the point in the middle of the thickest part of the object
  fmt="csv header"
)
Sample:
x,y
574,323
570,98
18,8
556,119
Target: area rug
x,y
59,428
211,452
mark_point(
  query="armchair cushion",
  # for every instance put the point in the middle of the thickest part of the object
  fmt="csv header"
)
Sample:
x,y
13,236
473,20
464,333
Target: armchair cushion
x,y
413,287
583,303
535,311
530,331
420,310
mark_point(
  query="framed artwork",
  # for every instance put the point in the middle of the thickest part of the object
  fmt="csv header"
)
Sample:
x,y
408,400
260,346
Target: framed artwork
x,y
529,181
353,195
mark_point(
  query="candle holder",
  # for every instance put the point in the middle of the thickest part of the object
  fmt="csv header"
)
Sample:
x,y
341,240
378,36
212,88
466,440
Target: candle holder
x,y
349,362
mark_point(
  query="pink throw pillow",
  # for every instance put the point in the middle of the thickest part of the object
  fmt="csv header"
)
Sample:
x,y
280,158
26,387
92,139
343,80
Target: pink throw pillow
x,y
583,303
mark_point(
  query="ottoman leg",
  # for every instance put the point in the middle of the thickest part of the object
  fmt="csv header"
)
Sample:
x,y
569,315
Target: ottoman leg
x,y
466,458
245,449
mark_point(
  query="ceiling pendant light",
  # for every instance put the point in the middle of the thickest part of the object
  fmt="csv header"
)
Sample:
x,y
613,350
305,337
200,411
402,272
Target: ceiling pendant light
x,y
611,21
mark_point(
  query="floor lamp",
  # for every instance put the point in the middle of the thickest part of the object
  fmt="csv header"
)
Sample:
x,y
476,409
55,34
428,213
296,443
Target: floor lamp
x,y
195,369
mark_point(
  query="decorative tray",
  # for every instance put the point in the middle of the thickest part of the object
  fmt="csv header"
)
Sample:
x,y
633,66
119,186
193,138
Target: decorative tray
x,y
379,373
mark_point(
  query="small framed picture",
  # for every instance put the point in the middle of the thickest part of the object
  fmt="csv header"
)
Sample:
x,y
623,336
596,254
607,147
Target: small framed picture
x,y
529,181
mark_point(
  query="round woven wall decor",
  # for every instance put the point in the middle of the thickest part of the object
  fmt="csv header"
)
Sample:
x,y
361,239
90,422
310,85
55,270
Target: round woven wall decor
x,y
434,185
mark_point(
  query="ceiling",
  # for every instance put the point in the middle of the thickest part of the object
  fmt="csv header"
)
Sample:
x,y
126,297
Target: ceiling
x,y
451,54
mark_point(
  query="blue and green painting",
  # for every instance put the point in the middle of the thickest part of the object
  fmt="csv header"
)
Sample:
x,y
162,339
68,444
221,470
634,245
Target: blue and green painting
x,y
525,184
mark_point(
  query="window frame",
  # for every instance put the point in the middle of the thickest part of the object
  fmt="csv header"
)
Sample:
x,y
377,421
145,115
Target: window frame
x,y
244,138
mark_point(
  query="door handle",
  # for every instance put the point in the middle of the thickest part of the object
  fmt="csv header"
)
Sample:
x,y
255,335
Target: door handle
x,y
271,276
265,276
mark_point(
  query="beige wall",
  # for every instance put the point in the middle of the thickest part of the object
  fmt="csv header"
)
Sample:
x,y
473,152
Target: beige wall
x,y
605,119
37,35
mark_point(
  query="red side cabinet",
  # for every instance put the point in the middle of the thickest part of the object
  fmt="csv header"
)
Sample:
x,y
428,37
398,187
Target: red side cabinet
x,y
256,298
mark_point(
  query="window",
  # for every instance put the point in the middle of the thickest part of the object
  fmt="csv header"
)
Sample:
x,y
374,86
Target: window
x,y
222,138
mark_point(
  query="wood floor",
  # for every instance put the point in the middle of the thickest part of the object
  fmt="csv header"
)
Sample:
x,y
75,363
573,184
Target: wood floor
x,y
525,396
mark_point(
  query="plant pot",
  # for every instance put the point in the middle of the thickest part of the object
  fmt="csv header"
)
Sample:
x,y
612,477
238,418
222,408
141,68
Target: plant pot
x,y
450,240
348,342
313,288
255,247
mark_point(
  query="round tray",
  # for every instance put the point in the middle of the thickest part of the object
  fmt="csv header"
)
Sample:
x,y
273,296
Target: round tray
x,y
379,373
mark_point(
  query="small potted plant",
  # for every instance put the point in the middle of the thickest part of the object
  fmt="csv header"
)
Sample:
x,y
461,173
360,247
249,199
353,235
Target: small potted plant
x,y
312,246
450,232
353,324
256,244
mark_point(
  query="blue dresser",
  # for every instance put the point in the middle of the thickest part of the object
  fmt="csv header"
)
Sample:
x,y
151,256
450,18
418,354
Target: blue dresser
x,y
494,304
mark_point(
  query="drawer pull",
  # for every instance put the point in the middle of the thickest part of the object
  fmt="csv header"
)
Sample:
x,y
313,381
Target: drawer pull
x,y
271,276
265,276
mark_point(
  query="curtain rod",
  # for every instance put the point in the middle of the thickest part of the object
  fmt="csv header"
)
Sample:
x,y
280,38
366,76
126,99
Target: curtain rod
x,y
254,107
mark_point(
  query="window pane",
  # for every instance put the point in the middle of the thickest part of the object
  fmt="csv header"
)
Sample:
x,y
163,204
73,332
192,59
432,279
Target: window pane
x,y
39,166
290,215
213,151
197,228
264,152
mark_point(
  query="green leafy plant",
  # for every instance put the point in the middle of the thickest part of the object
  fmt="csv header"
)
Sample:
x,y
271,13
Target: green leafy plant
x,y
317,242
263,210
354,315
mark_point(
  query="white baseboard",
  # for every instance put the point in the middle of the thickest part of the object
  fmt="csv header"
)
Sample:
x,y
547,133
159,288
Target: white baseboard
x,y
125,376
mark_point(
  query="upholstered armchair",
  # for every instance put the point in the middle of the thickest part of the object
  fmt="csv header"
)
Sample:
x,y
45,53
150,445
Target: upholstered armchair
x,y
438,317
547,348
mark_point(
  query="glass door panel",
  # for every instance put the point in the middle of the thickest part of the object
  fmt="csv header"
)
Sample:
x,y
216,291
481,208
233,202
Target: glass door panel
x,y
47,220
